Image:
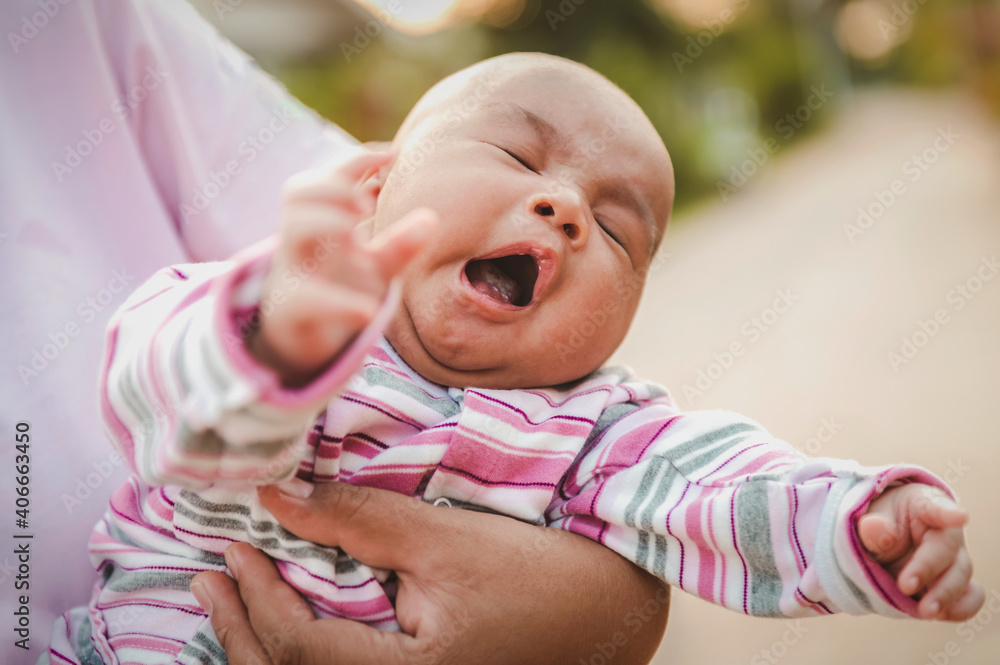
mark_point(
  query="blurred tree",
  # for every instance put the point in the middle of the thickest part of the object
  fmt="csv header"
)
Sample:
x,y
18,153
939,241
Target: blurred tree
x,y
714,89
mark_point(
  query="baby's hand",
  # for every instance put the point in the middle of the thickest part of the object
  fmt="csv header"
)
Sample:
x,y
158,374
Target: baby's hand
x,y
915,532
325,284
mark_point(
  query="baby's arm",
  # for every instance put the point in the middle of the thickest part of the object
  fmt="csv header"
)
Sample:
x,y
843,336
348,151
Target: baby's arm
x,y
183,397
712,503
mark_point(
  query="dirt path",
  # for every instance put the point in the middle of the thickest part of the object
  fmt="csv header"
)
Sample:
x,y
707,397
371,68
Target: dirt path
x,y
819,374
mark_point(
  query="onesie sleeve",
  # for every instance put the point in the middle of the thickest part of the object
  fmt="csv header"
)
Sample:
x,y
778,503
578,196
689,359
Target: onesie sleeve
x,y
181,397
710,502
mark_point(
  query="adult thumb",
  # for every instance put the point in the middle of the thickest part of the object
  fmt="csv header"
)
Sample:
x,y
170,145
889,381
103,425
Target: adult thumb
x,y
383,529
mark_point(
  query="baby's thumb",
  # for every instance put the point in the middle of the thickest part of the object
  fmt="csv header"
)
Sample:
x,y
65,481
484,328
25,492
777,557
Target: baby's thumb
x,y
398,244
882,537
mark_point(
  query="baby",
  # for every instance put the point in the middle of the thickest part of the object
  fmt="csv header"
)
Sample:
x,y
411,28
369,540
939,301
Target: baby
x,y
419,301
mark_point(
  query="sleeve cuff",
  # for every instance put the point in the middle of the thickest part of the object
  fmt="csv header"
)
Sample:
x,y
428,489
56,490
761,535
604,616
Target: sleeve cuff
x,y
852,578
239,292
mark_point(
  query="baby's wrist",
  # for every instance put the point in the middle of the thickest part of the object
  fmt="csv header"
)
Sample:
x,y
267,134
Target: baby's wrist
x,y
290,374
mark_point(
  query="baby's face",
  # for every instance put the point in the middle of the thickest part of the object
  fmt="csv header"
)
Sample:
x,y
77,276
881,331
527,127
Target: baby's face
x,y
552,192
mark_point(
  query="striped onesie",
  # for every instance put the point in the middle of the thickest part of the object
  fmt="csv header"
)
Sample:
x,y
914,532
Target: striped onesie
x,y
707,501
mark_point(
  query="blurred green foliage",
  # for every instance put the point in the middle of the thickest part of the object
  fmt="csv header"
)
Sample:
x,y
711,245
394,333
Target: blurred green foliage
x,y
712,98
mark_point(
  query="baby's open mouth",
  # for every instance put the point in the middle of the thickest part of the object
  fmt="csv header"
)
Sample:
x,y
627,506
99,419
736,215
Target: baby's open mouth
x,y
508,279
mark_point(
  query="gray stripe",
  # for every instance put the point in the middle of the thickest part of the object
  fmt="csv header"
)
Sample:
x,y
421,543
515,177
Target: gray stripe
x,y
258,533
215,373
179,354
203,649
659,498
193,554
858,594
660,557
85,647
376,376
645,485
642,551
191,654
714,443
148,425
753,527
136,580
210,644
209,442
609,417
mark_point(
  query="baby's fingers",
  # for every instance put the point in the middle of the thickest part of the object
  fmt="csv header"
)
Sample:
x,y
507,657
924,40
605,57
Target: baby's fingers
x,y
935,554
948,588
937,510
398,244
320,183
968,603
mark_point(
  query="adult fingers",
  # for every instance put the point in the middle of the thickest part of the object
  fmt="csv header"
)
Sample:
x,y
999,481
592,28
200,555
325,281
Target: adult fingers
x,y
268,622
276,611
381,528
933,556
219,596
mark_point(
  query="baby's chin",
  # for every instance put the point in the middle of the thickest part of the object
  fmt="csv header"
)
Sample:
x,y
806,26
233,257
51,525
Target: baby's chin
x,y
448,368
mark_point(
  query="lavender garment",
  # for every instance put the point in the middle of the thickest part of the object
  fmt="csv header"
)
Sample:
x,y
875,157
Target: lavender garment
x,y
707,501
114,117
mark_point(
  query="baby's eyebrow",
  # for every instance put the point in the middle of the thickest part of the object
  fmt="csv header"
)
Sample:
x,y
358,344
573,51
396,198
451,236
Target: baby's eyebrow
x,y
544,130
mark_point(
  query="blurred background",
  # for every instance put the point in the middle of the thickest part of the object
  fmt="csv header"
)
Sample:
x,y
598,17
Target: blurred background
x,y
837,222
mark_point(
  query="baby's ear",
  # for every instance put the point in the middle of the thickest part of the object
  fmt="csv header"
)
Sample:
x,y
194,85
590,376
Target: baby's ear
x,y
372,184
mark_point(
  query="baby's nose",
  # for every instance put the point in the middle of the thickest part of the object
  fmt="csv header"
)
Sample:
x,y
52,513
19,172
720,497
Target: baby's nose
x,y
564,210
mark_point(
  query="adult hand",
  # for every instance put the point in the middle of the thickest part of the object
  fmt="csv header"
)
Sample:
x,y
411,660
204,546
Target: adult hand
x,y
472,588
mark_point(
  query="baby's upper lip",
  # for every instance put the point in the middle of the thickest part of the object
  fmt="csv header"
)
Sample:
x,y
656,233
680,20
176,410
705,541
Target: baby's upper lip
x,y
546,258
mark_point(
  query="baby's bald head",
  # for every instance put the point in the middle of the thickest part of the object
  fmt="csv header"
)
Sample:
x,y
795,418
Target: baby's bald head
x,y
495,80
